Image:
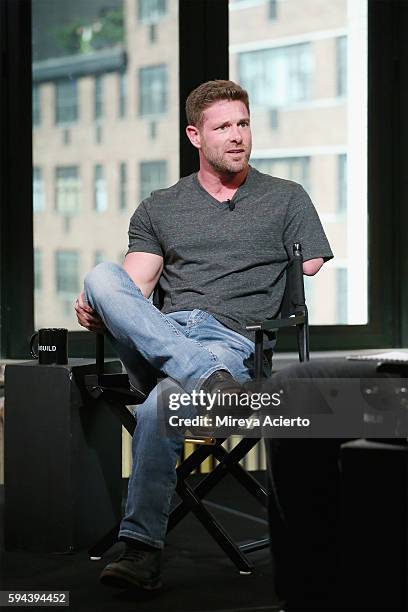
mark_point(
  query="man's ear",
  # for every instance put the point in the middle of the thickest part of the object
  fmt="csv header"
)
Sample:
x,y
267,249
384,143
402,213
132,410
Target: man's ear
x,y
194,136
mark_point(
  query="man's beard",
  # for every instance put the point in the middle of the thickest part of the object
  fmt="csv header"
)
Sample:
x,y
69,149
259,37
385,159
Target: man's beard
x,y
226,166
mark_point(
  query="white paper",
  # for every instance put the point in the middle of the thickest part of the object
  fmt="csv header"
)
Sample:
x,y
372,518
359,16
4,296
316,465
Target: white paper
x,y
387,356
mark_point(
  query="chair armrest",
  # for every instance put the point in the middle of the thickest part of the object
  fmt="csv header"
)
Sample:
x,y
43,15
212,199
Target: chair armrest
x,y
113,385
270,325
107,380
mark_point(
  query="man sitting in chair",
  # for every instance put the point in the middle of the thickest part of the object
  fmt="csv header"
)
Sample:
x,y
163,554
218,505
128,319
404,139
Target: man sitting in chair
x,y
217,243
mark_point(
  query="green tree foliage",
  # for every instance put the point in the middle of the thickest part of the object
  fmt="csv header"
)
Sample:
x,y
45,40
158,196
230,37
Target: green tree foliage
x,y
69,38
111,31
79,37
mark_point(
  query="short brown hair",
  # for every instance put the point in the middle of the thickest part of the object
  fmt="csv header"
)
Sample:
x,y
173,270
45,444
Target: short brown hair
x,y
207,93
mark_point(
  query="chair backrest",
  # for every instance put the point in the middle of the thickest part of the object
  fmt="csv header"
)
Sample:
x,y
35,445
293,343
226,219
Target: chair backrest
x,y
293,301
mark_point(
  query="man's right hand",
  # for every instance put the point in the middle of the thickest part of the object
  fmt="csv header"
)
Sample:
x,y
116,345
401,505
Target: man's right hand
x,y
87,317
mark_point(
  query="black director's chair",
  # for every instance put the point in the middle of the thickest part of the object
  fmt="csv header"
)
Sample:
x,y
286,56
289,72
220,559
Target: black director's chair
x,y
116,392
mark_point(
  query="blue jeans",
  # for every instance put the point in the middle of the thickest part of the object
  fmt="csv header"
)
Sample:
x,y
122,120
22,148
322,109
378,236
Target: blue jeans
x,y
187,347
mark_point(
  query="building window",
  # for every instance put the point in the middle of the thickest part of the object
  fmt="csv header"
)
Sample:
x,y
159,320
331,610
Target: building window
x,y
37,270
150,11
67,273
341,65
38,190
66,137
153,130
272,10
153,175
153,32
341,278
122,94
342,183
153,90
100,191
277,77
98,97
67,190
273,118
36,106
122,186
292,168
98,133
98,257
66,101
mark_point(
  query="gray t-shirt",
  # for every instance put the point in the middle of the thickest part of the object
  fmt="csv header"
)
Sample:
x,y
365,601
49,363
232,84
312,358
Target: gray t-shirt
x,y
227,262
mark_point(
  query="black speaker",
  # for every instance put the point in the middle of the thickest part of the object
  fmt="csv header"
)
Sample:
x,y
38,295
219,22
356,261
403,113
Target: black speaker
x,y
375,525
62,458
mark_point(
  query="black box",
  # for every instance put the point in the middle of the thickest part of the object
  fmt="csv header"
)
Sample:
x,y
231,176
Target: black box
x,y
62,455
375,524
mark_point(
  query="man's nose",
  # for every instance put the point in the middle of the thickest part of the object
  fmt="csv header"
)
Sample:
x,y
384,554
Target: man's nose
x,y
236,134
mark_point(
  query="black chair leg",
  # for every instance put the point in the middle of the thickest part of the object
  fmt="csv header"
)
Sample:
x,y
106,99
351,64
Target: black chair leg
x,y
215,529
250,484
246,479
218,473
192,500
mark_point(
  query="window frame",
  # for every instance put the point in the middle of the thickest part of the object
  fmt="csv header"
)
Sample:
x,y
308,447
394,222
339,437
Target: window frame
x,y
38,190
153,17
74,189
60,264
98,97
292,56
123,186
38,270
122,95
158,166
146,109
341,66
58,108
36,105
304,162
100,190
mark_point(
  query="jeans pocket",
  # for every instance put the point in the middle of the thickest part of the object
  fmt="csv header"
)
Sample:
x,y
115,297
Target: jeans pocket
x,y
196,318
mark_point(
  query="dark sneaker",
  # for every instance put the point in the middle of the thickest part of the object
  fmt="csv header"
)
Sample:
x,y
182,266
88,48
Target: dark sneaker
x,y
134,568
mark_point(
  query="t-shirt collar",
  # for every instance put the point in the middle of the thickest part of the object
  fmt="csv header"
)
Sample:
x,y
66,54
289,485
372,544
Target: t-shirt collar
x,y
242,189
